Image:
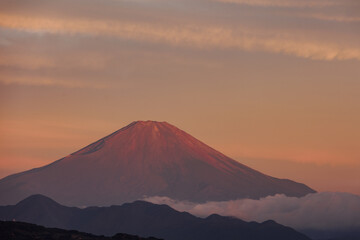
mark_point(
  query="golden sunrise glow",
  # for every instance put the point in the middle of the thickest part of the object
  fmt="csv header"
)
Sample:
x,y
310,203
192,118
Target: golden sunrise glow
x,y
268,83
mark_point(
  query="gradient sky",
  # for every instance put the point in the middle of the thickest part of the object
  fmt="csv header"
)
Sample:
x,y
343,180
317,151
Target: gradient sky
x,y
274,84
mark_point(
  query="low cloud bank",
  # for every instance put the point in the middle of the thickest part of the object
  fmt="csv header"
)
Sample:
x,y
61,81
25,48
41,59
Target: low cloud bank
x,y
318,211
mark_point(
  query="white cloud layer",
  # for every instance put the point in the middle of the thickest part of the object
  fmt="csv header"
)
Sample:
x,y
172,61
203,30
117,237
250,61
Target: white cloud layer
x,y
319,211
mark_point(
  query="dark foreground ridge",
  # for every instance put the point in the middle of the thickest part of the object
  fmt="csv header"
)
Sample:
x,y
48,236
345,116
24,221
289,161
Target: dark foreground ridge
x,y
145,158
144,219
10,230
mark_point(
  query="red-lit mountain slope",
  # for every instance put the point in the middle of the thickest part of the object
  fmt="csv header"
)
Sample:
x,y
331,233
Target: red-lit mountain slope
x,y
145,158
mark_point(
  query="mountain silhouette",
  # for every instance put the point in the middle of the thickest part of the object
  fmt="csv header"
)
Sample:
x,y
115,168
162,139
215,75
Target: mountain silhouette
x,y
144,219
145,158
12,230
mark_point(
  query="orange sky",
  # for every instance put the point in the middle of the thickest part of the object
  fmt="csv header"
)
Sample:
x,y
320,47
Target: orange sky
x,y
273,84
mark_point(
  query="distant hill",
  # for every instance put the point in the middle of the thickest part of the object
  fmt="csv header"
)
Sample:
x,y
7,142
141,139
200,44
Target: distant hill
x,y
145,158
143,219
10,230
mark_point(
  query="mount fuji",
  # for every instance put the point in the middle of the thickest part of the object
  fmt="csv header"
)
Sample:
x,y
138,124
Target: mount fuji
x,y
143,159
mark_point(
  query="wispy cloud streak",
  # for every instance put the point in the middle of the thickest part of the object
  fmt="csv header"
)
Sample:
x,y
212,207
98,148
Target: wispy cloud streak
x,y
334,18
288,3
195,35
47,81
